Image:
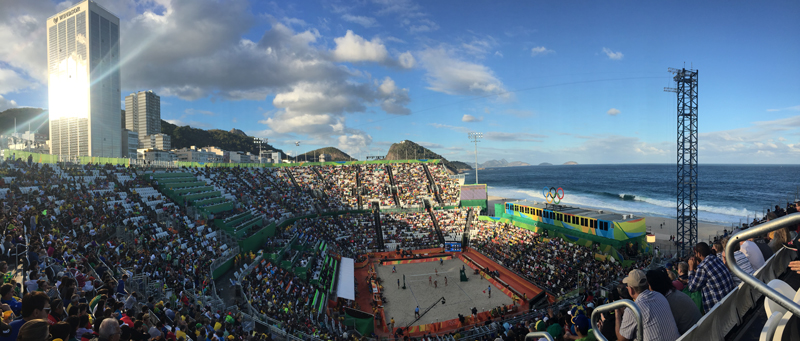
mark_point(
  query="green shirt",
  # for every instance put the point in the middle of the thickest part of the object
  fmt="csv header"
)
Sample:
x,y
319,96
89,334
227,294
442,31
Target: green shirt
x,y
589,337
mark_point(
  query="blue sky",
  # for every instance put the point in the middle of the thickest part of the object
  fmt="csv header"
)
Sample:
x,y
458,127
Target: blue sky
x,y
544,81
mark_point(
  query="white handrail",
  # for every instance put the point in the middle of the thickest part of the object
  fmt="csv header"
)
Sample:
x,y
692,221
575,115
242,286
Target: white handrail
x,y
614,305
782,222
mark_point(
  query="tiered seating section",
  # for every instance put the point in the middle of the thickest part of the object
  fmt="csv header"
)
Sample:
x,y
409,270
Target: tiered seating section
x,y
408,230
376,184
412,184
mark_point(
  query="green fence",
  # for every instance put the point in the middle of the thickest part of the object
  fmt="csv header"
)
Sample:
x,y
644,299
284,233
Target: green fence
x,y
51,158
222,269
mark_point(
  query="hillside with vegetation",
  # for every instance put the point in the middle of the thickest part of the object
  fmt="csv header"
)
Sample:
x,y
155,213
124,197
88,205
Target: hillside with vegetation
x,y
35,118
335,153
186,136
406,150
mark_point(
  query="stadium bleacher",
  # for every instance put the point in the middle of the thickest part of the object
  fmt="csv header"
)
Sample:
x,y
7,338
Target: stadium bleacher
x,y
110,221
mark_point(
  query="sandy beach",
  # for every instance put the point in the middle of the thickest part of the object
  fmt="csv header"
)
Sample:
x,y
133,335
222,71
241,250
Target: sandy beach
x,y
705,230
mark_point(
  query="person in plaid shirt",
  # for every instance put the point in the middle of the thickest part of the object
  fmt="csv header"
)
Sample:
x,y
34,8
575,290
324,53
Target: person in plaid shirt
x,y
708,274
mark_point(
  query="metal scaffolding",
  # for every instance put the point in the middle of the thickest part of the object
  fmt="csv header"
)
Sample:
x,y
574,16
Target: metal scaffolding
x,y
686,89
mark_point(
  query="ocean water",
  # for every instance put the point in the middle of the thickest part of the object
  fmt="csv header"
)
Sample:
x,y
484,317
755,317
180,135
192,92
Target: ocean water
x,y
726,193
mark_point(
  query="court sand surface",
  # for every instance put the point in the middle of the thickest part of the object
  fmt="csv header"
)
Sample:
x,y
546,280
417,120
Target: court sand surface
x,y
459,296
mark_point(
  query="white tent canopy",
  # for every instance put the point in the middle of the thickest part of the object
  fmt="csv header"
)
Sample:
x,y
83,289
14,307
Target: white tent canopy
x,y
346,288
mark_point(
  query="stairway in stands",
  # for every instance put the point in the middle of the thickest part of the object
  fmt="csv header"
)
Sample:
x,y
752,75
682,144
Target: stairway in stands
x,y
467,228
376,212
393,186
358,187
436,225
433,186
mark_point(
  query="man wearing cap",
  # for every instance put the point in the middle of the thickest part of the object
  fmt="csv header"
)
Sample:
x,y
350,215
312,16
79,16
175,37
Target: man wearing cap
x,y
657,321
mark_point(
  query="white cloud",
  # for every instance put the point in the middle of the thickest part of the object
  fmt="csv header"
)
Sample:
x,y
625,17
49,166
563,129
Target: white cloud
x,y
177,122
430,145
457,77
361,20
470,118
613,112
423,25
7,103
395,40
519,137
540,51
454,128
354,48
406,60
498,54
761,142
354,142
612,55
394,99
22,31
794,108
478,47
196,111
11,81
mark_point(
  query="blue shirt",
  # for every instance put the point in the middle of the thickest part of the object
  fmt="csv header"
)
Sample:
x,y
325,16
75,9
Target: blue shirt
x,y
121,286
11,335
15,305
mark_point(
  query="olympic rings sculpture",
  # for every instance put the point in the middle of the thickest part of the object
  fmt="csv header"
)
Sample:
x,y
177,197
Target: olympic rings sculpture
x,y
551,195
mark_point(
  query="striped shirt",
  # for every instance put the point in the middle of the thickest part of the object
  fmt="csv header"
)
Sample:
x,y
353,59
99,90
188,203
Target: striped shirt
x,y
657,320
743,263
713,279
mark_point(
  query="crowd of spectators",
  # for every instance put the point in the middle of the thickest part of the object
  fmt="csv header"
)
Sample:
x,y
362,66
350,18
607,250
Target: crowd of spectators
x,y
551,263
448,188
80,273
412,184
340,185
414,230
95,240
376,184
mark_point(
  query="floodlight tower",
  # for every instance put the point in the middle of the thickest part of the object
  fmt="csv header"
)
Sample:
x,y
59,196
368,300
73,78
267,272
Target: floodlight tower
x,y
475,137
686,89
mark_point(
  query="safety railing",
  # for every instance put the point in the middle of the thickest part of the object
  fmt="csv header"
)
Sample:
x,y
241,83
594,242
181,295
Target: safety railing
x,y
537,335
783,222
614,305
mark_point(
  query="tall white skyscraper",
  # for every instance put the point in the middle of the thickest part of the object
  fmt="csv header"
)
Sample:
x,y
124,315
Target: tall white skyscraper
x,y
83,83
143,113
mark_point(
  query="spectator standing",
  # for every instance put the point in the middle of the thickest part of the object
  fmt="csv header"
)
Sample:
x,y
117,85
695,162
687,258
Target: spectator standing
x,y
657,321
121,284
708,274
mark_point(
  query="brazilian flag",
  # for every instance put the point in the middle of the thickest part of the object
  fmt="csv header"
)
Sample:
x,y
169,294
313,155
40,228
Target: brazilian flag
x,y
363,322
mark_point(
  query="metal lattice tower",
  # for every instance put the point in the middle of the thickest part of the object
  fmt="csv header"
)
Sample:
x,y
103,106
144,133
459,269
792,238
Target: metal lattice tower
x,y
686,88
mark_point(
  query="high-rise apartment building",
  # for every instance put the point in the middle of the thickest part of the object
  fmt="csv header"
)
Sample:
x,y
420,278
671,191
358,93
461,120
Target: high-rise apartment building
x,y
143,113
83,81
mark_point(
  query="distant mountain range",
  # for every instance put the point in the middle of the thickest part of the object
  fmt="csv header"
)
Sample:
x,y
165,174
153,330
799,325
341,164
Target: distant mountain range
x,y
502,163
568,163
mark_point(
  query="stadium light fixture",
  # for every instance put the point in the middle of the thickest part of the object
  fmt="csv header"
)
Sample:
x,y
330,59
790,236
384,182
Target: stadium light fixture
x,y
475,137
